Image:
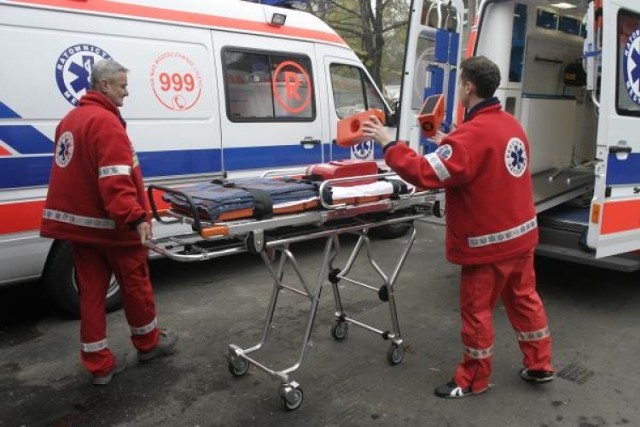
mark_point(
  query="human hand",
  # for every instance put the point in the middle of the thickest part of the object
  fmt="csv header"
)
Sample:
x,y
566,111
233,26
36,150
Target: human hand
x,y
374,129
441,134
439,137
144,231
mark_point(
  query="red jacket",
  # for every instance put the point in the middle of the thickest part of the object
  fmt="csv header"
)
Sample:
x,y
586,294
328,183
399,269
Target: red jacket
x,y
484,167
96,194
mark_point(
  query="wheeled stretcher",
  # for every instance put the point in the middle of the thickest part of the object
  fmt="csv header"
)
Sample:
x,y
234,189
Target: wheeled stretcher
x,y
338,210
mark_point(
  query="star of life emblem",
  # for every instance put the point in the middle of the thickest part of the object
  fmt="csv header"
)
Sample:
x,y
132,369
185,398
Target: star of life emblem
x,y
64,149
73,69
444,151
515,157
631,66
362,151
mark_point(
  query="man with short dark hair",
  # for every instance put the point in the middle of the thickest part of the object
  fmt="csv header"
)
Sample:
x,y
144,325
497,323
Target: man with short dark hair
x,y
483,166
96,200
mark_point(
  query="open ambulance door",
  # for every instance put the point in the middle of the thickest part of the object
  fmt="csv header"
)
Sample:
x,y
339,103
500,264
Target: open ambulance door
x,y
430,66
614,225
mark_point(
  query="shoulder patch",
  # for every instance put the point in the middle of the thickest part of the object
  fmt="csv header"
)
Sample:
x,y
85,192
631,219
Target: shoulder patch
x,y
444,151
515,157
64,149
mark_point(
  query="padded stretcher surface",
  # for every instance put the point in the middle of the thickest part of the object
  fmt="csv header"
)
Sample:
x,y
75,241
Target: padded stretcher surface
x,y
221,200
225,200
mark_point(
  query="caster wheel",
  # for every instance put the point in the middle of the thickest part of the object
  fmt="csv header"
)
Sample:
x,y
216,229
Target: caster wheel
x,y
395,354
238,366
339,330
291,398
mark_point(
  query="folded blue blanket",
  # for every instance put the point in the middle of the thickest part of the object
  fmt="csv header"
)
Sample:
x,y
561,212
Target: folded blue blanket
x,y
213,198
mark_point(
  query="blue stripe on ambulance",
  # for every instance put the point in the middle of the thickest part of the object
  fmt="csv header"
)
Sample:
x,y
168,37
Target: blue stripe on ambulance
x,y
35,170
26,139
621,172
270,156
7,113
24,171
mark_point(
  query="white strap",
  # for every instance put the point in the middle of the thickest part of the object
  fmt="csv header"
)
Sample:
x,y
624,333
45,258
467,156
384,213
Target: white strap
x,y
114,170
142,330
84,221
439,167
534,335
503,236
92,347
476,353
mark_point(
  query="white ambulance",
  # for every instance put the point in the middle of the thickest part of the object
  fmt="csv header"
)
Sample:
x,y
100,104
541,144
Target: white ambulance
x,y
571,75
215,86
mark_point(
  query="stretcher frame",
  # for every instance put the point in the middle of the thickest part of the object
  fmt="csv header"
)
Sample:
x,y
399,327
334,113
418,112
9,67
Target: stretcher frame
x,y
272,239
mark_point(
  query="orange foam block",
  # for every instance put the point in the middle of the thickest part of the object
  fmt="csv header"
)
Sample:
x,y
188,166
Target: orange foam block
x,y
431,115
350,128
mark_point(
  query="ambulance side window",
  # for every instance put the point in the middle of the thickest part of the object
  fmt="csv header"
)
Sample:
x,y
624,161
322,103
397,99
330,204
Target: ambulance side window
x,y
268,86
628,82
352,91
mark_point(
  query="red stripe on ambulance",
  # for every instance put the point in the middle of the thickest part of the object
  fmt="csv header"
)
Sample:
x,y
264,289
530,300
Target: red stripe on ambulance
x,y
21,216
620,216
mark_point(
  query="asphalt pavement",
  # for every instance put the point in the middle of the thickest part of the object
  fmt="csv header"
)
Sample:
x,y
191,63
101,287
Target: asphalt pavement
x,y
593,317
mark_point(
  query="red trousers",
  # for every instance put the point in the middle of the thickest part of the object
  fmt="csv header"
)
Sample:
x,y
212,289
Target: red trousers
x,y
514,281
94,266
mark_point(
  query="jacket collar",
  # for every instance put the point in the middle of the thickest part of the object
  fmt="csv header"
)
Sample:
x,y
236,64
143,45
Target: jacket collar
x,y
488,104
96,98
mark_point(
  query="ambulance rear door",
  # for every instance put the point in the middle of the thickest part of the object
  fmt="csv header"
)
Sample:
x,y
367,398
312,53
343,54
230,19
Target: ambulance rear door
x,y
614,225
269,110
430,66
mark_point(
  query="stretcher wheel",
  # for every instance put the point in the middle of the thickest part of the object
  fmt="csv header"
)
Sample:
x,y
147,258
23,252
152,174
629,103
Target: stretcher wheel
x,y
290,397
395,354
339,330
238,366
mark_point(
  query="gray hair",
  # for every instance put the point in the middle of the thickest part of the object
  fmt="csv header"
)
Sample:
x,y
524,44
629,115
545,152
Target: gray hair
x,y
105,69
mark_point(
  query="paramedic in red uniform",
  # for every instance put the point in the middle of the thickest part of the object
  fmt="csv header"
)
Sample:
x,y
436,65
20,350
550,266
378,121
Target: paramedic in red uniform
x,y
96,200
491,226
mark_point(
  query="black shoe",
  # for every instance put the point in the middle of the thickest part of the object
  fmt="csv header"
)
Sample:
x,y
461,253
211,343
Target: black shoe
x,y
166,345
538,377
451,390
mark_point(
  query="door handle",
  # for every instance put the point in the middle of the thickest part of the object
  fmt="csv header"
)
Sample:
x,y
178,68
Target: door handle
x,y
621,151
615,149
308,142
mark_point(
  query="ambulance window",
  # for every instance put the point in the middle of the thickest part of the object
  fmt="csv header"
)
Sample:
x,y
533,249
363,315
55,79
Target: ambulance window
x,y
628,81
352,91
547,19
373,97
569,25
266,86
294,87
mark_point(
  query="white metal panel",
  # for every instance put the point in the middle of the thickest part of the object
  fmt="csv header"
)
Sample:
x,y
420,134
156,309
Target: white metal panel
x,y
616,193
545,121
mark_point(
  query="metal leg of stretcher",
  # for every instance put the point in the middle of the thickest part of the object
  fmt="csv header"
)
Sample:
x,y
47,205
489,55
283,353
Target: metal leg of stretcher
x,y
386,293
290,392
